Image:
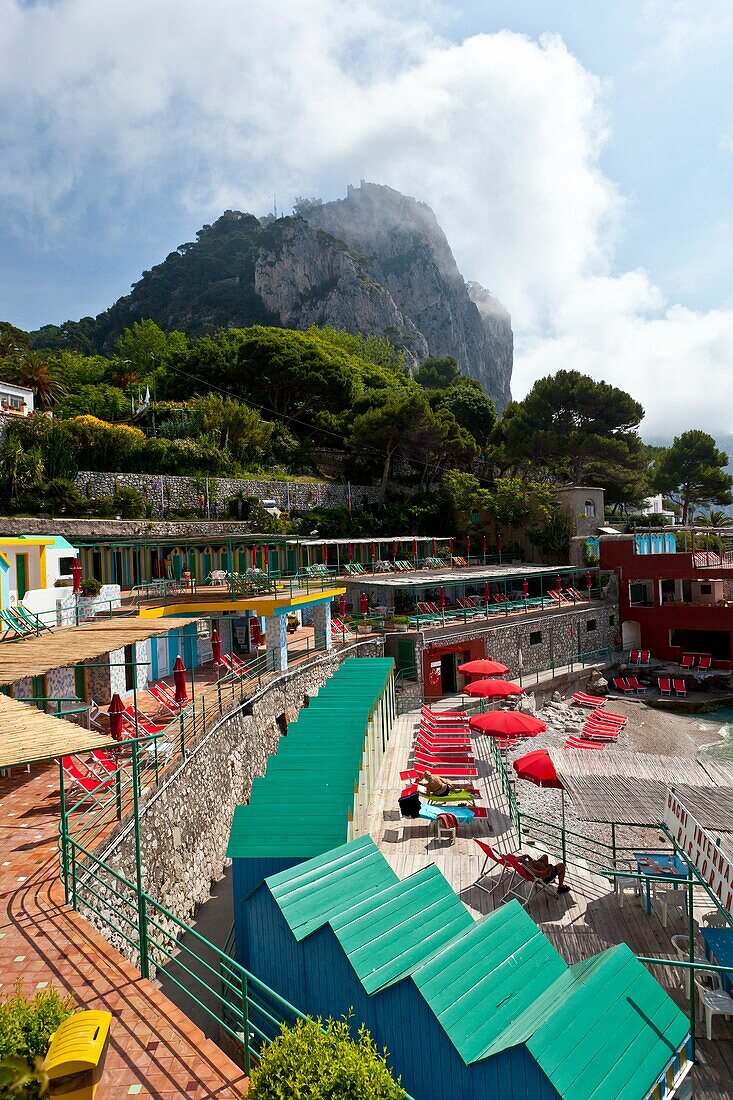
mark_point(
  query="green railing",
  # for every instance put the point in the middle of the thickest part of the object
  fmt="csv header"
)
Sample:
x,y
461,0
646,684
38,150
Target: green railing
x,y
243,1008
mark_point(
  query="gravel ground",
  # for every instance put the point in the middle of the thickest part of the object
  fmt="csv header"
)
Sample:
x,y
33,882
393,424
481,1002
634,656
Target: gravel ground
x,y
647,731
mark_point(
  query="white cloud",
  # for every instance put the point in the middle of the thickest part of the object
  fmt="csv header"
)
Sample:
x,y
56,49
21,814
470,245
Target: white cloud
x,y
217,105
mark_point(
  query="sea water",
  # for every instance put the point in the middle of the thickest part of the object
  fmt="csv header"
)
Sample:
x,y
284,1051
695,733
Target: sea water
x,y
722,749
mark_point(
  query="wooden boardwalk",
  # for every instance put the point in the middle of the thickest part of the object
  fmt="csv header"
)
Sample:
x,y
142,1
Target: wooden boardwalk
x,y
579,924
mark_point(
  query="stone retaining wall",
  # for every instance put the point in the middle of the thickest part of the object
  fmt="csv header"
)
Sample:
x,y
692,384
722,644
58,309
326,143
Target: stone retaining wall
x,y
185,824
167,492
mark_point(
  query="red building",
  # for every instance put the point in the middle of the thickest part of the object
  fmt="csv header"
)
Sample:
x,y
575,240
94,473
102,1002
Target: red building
x,y
671,603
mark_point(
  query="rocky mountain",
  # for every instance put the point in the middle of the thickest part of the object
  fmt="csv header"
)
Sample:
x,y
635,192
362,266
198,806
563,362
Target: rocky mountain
x,y
375,262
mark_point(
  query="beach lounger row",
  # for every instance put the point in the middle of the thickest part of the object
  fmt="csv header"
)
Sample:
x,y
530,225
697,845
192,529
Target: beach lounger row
x,y
317,570
667,684
566,595
691,660
339,629
640,657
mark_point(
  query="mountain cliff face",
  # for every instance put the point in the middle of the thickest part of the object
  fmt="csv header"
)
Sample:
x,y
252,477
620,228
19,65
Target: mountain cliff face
x,y
408,254
375,262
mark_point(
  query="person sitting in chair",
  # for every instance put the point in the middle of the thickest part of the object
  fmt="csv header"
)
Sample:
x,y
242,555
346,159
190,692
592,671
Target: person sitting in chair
x,y
547,871
435,786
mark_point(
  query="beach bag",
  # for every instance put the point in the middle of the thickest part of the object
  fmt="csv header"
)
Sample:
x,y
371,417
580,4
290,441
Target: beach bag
x,y
410,804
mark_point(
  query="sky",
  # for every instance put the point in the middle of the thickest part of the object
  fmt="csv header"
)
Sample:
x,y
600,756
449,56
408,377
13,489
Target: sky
x,y
579,157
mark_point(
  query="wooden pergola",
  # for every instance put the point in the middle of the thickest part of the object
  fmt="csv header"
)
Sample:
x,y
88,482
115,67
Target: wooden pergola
x,y
29,735
63,648
628,788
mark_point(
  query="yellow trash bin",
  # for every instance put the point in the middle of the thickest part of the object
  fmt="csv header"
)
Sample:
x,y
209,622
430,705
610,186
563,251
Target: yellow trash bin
x,y
76,1054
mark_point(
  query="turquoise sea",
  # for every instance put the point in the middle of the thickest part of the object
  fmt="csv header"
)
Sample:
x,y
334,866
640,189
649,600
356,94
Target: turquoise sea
x,y
720,749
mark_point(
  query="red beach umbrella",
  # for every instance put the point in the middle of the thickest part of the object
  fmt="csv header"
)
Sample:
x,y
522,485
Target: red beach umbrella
x,y
324,551
433,547
483,667
266,558
254,557
349,552
493,689
487,592
558,582
525,588
442,599
414,549
342,605
483,544
450,544
468,546
116,710
588,581
179,679
506,723
394,550
216,647
364,603
537,768
374,551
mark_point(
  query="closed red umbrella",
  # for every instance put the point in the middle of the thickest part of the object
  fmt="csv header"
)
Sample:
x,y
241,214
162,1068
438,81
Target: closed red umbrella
x,y
394,550
537,768
525,588
76,576
324,551
364,603
433,547
116,710
483,544
487,592
558,582
254,557
468,546
505,723
414,549
493,689
349,552
216,647
588,581
342,605
179,679
374,551
483,667
450,544
442,599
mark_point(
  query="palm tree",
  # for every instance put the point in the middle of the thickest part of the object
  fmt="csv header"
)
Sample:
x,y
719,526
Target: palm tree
x,y
33,371
713,518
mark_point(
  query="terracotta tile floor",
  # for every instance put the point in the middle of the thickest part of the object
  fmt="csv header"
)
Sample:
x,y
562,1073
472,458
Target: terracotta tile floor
x,y
154,1050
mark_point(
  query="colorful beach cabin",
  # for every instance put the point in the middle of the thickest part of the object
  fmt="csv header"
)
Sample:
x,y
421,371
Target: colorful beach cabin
x,y
482,1009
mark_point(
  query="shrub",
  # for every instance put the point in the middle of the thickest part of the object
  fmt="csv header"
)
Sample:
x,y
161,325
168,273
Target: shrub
x,y
323,1064
128,502
91,587
25,1028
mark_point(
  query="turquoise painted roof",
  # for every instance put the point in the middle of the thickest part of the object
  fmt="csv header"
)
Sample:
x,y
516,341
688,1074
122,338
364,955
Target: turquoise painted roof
x,y
301,806
484,978
390,933
311,893
603,1029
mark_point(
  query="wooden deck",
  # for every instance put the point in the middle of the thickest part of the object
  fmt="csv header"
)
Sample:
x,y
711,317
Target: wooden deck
x,y
579,924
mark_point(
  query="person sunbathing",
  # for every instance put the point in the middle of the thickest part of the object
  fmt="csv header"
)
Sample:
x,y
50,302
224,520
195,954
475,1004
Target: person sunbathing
x,y
435,786
547,871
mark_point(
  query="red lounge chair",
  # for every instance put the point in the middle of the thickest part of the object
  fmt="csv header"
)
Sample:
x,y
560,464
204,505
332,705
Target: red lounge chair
x,y
704,663
665,685
634,656
594,733
443,715
445,732
166,699
143,720
89,783
575,743
645,657
441,739
554,594
495,859
609,716
582,700
679,688
446,768
688,661
622,686
445,752
634,683
575,595
522,875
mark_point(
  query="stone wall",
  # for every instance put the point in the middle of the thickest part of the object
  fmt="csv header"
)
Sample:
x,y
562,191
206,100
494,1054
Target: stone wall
x,y
562,637
185,823
165,493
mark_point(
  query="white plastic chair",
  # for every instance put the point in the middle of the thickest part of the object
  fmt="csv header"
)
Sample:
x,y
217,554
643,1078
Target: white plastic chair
x,y
621,885
664,900
713,1001
681,945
